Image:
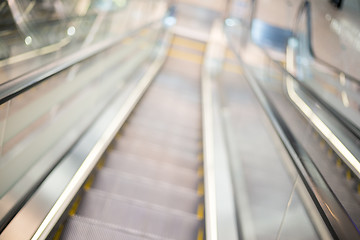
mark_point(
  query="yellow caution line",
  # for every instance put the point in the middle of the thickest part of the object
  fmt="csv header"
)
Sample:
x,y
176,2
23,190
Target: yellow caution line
x,y
233,68
58,232
185,56
200,211
89,182
338,162
200,235
348,175
118,136
200,189
330,153
200,171
100,164
189,43
75,206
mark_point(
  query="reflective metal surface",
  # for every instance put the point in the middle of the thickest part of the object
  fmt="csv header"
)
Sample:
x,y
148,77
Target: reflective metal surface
x,y
221,220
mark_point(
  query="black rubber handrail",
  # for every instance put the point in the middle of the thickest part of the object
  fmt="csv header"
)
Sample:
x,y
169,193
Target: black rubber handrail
x,y
18,85
306,7
332,212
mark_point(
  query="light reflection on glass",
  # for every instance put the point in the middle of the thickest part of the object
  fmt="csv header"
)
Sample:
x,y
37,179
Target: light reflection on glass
x,y
28,40
344,95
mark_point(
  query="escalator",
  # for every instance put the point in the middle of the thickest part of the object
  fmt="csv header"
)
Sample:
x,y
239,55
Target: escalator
x,y
162,131
149,184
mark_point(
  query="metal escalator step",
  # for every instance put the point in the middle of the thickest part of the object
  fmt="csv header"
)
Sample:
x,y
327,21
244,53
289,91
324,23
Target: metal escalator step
x,y
188,94
147,190
139,216
162,153
184,81
152,169
169,118
189,111
164,127
81,228
184,102
161,138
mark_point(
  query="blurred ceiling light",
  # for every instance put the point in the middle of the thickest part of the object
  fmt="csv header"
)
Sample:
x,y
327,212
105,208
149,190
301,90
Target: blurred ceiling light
x,y
71,31
230,22
170,21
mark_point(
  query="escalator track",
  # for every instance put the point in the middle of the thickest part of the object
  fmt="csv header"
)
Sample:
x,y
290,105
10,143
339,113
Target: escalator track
x,y
149,184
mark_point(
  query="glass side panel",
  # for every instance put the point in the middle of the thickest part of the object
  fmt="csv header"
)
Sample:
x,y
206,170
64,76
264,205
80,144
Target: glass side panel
x,y
38,126
316,100
327,58
34,33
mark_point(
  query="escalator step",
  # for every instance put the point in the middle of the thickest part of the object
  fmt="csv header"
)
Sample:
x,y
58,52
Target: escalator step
x,y
147,190
164,127
161,138
139,216
183,107
169,118
154,169
81,228
162,153
186,96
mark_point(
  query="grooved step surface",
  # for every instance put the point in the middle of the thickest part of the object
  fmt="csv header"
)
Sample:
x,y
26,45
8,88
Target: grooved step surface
x,y
162,153
156,169
161,126
147,190
140,216
148,134
81,228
